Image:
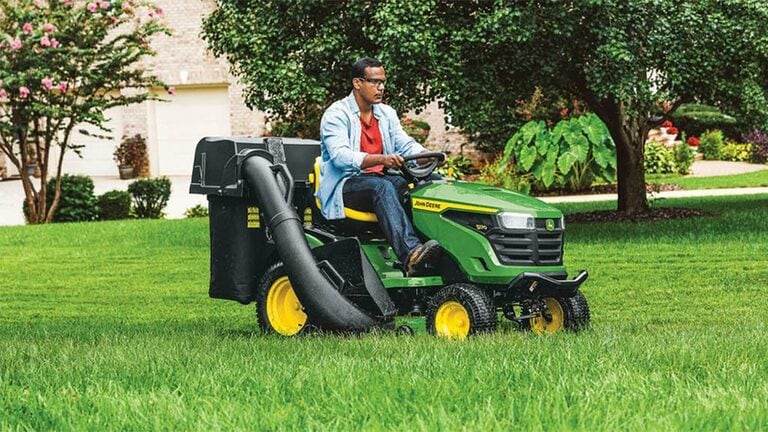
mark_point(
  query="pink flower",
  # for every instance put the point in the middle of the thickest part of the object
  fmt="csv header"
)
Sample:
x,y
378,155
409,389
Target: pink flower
x,y
47,83
113,19
151,14
16,44
171,91
44,41
26,28
23,92
104,5
159,11
54,43
3,93
92,7
63,86
48,28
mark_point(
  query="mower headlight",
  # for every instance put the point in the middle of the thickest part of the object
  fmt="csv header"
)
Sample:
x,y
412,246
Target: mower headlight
x,y
516,220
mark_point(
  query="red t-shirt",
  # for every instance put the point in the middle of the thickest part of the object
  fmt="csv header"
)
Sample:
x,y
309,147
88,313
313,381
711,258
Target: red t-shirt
x,y
371,143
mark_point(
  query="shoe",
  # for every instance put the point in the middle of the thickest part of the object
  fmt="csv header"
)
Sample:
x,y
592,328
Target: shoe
x,y
427,254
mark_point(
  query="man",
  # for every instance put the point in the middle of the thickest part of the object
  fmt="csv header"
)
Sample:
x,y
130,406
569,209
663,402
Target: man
x,y
360,137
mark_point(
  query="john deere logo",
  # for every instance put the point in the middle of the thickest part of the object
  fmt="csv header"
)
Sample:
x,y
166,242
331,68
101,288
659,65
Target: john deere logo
x,y
550,225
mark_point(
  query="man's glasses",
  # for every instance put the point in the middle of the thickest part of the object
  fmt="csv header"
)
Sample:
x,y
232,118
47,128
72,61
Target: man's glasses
x,y
374,81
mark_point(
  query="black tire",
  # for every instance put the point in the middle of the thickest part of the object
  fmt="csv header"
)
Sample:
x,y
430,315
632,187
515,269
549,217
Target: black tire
x,y
475,305
575,315
277,317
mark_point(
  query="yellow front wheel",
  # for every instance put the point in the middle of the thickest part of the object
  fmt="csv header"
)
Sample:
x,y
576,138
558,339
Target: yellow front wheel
x,y
277,307
460,310
561,313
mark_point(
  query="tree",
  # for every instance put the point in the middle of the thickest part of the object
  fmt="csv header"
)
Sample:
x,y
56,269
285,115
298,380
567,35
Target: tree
x,y
63,63
633,63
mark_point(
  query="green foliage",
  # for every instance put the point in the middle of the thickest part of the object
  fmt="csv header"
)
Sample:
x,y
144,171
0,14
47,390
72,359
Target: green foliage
x,y
503,174
736,151
659,159
77,202
712,143
63,65
456,167
115,204
572,154
198,211
695,119
684,157
150,196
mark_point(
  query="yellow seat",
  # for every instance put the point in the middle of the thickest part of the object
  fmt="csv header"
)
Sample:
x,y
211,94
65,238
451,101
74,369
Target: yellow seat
x,y
348,212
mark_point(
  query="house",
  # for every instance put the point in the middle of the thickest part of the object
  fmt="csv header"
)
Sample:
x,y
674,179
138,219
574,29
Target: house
x,y
208,101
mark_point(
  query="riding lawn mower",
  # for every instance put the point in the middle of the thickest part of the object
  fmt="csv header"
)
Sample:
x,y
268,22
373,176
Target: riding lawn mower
x,y
270,244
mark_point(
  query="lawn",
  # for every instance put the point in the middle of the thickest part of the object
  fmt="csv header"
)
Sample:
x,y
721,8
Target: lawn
x,y
752,179
108,326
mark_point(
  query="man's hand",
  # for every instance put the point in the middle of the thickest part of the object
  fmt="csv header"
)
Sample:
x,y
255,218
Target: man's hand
x,y
388,160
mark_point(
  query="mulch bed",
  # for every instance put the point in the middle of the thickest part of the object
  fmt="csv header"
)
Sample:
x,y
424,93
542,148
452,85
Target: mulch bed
x,y
652,214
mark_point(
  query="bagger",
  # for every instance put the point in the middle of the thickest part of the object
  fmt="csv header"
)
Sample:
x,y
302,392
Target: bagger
x,y
270,244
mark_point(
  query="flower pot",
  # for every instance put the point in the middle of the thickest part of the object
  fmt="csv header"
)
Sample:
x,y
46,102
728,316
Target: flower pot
x,y
126,172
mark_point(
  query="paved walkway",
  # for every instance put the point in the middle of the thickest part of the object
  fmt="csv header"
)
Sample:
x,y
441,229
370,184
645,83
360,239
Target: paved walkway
x,y
12,194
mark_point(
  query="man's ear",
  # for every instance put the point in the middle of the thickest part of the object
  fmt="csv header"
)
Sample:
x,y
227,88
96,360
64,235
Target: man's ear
x,y
356,83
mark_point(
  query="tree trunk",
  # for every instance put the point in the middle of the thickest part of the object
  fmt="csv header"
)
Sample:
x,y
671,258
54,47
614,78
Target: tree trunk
x,y
629,136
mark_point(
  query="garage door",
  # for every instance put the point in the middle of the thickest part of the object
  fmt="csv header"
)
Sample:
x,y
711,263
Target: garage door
x,y
97,153
191,114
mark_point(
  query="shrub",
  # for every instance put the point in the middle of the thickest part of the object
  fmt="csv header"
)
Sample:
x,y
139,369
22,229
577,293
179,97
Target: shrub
x,y
736,152
659,159
695,119
712,143
150,196
198,211
503,174
77,203
684,157
417,129
115,205
759,146
133,151
573,154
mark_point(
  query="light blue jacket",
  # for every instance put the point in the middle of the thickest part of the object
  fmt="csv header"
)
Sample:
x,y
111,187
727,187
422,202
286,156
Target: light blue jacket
x,y
340,148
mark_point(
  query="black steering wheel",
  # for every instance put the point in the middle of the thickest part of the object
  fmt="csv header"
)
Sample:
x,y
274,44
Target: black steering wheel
x,y
418,172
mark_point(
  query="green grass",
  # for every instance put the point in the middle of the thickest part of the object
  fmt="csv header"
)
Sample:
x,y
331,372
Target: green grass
x,y
753,179
108,326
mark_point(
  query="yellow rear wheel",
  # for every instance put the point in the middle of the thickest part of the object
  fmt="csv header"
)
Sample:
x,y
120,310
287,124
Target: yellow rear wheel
x,y
278,309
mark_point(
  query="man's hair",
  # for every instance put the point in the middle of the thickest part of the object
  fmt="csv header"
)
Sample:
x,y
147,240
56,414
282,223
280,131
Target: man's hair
x,y
358,69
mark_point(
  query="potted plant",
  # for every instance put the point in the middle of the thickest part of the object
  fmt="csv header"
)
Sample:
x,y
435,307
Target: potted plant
x,y
131,157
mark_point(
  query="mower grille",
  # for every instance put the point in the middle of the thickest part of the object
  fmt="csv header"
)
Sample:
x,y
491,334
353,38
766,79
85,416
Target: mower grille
x,y
528,248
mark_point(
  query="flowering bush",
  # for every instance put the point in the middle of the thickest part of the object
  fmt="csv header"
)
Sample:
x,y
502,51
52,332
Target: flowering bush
x,y
672,130
417,129
667,124
693,141
64,63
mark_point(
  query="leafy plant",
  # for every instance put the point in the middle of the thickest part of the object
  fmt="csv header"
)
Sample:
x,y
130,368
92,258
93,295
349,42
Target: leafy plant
x,y
659,159
198,211
573,154
150,196
759,141
115,204
736,151
503,174
712,142
456,167
684,157
77,201
133,151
